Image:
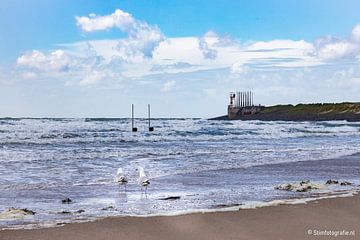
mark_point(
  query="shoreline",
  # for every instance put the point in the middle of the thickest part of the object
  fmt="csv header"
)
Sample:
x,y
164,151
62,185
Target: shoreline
x,y
283,221
251,204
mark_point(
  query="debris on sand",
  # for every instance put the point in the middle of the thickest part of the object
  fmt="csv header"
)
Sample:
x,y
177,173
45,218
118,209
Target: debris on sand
x,y
331,181
16,213
171,198
64,212
66,201
345,183
107,208
303,186
68,212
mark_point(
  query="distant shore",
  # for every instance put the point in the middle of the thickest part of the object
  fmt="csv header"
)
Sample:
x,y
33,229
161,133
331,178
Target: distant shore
x,y
321,219
304,112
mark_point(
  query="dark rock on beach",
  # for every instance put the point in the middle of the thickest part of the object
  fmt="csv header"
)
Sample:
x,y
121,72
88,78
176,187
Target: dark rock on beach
x,y
107,208
66,201
303,186
171,198
68,212
27,211
64,212
304,182
345,183
227,205
61,223
330,181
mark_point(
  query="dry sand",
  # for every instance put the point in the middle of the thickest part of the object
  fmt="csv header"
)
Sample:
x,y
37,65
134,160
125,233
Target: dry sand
x,y
288,222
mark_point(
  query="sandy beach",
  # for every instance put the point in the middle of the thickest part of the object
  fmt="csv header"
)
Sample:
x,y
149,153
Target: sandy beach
x,y
179,120
302,221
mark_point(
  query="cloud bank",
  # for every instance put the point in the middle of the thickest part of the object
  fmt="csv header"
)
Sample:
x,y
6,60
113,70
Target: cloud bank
x,y
210,64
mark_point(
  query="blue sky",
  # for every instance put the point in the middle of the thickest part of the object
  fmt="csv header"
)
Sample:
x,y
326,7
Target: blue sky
x,y
64,58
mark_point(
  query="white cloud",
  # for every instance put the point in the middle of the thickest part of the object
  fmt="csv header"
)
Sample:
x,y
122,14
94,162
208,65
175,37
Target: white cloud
x,y
329,48
168,86
120,19
239,68
355,33
55,60
142,37
92,78
146,51
204,44
173,55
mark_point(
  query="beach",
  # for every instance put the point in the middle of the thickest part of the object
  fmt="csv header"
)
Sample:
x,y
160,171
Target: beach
x,y
205,164
56,172
108,126
336,218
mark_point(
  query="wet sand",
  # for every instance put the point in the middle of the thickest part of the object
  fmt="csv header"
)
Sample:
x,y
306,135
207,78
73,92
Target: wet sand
x,y
302,221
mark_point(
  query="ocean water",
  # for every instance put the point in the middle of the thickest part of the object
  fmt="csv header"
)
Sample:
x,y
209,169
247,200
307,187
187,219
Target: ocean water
x,y
208,164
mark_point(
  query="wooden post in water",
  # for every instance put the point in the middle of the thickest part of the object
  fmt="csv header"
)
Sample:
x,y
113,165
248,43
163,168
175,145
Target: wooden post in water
x,y
134,129
151,129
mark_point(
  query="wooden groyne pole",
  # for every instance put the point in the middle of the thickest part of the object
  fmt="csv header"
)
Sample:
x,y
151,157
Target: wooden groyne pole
x,y
151,129
134,129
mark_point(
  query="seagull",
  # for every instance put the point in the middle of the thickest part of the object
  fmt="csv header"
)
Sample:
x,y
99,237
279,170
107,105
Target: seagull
x,y
120,178
143,179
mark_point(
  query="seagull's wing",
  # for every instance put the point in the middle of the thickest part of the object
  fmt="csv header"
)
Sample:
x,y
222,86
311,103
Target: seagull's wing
x,y
144,181
120,176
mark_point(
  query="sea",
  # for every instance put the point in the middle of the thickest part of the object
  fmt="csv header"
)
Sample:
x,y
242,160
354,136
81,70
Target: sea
x,y
194,165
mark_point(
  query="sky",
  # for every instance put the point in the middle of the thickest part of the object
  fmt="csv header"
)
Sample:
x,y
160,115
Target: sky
x,y
65,58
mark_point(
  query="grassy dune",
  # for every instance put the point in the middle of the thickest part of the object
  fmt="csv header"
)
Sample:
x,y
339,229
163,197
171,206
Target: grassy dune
x,y
306,112
315,108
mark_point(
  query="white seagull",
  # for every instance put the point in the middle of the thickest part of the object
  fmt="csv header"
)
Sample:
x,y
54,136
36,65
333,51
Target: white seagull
x,y
121,178
143,179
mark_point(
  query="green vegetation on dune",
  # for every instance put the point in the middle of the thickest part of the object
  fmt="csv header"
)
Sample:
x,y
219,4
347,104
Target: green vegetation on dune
x,y
304,112
315,108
